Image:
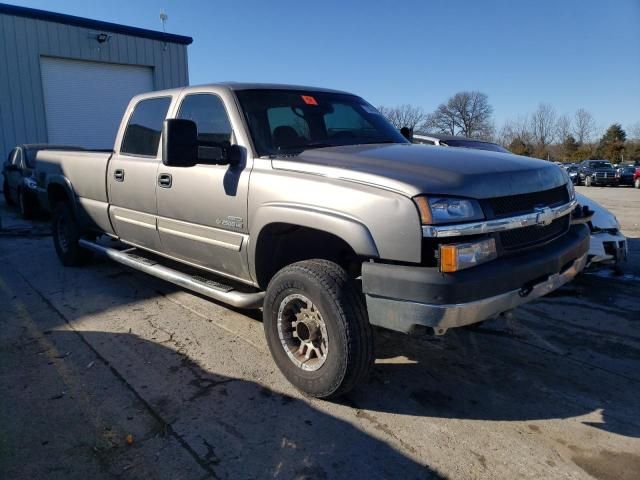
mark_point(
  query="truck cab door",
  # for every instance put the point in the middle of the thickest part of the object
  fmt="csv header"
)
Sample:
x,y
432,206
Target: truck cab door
x,y
132,172
202,209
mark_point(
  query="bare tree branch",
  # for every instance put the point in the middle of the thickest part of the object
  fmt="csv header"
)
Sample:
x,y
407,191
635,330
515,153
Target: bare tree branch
x,y
466,113
584,126
408,116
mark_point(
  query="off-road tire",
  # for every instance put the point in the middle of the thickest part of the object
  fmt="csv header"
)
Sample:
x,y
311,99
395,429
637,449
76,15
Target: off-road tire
x,y
66,236
350,335
25,205
5,191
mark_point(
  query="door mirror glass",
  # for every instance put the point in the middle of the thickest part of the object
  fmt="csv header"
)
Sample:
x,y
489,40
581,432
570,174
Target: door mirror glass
x,y
179,143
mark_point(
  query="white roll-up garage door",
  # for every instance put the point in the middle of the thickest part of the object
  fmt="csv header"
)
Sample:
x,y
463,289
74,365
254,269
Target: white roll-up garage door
x,y
84,101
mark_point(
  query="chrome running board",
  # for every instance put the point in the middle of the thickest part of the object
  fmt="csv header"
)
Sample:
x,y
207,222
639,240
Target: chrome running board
x,y
196,283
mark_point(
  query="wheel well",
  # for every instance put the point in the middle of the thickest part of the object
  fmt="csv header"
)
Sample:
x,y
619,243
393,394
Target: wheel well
x,y
281,244
56,193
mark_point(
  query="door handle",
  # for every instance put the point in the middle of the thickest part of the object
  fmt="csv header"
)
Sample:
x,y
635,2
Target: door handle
x,y
118,175
164,180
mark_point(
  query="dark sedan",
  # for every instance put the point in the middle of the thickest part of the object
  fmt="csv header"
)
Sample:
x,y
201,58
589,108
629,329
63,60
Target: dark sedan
x,y
627,174
19,184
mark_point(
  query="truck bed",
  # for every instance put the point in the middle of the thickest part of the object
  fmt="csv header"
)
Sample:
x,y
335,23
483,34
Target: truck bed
x,y
84,172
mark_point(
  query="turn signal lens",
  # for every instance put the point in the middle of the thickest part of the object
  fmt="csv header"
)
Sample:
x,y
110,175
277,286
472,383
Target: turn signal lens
x,y
459,256
423,207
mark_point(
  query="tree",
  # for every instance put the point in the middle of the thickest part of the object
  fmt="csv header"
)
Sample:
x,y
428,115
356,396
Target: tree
x,y
569,148
466,113
564,128
519,147
584,127
611,144
406,115
543,127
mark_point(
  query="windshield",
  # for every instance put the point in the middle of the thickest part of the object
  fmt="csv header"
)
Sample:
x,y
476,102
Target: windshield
x,y
600,165
492,147
286,122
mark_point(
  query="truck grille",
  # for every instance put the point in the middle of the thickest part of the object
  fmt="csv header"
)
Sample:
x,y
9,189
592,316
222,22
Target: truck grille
x,y
534,235
514,204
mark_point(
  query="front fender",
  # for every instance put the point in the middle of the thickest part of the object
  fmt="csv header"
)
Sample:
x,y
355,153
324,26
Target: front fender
x,y
349,229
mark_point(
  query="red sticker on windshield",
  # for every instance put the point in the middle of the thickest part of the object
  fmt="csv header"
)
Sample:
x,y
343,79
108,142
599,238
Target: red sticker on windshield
x,y
309,100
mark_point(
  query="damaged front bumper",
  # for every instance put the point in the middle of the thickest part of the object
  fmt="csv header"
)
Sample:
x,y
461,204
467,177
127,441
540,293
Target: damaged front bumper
x,y
402,297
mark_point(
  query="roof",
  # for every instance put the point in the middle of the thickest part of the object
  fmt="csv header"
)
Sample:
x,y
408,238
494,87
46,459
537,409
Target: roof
x,y
276,86
94,24
445,137
238,86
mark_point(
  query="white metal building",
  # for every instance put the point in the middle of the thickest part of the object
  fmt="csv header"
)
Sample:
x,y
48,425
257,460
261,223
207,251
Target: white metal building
x,y
67,80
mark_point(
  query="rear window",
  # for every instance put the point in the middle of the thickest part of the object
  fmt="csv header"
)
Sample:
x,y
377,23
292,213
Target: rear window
x,y
142,136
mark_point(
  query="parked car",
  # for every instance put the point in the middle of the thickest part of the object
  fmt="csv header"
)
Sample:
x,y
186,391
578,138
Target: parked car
x,y
572,170
629,175
457,141
608,246
308,203
20,185
597,172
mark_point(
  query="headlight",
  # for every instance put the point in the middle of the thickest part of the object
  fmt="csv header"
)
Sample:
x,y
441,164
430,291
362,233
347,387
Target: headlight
x,y
572,191
459,256
435,210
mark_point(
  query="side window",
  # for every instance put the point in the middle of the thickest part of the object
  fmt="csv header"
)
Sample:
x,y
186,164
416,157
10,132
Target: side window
x,y
142,136
209,115
17,160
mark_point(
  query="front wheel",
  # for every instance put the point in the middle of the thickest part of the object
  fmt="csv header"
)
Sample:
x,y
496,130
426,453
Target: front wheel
x,y
25,205
66,237
637,183
587,181
317,328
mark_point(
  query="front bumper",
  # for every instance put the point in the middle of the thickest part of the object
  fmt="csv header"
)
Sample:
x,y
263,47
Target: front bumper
x,y
403,297
607,249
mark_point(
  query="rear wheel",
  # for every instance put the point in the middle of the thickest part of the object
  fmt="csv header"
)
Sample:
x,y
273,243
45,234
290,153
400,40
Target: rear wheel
x,y
5,191
317,328
66,237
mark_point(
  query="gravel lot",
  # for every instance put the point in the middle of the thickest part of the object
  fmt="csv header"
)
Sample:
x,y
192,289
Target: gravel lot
x,y
108,373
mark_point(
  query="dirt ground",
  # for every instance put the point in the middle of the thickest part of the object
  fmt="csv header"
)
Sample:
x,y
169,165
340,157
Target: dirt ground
x,y
108,373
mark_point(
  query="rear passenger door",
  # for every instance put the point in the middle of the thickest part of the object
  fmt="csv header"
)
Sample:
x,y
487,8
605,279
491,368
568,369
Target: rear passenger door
x,y
132,174
202,210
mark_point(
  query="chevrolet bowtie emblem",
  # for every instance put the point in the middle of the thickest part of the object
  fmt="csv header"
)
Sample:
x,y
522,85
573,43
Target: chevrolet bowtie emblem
x,y
544,216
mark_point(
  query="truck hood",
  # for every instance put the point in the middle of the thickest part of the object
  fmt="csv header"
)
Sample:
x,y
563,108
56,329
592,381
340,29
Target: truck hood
x,y
415,169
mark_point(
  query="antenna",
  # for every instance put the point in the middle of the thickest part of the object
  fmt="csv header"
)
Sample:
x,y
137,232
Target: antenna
x,y
163,18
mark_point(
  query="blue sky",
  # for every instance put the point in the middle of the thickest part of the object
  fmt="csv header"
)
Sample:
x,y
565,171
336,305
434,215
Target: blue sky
x,y
568,53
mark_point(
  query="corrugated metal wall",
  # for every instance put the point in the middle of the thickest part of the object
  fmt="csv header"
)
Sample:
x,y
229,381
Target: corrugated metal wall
x,y
24,40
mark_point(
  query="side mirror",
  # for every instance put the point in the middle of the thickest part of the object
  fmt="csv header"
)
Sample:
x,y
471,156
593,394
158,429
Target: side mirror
x,y
179,143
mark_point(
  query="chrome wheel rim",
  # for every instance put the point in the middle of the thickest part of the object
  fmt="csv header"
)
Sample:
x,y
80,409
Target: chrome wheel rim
x,y
302,332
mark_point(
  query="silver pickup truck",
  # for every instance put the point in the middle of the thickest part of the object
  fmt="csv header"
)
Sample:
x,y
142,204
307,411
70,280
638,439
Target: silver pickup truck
x,y
307,203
